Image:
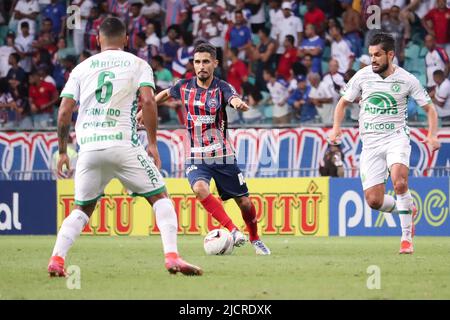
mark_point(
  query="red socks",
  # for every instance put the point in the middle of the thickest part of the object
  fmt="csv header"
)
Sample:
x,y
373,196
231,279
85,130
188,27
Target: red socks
x,y
251,222
215,208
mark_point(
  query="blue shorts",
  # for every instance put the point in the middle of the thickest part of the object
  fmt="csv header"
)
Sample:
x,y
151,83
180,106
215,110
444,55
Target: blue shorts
x,y
227,176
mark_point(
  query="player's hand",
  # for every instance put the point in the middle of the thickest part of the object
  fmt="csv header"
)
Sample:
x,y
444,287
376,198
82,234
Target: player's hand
x,y
140,118
64,161
334,135
433,141
152,151
241,106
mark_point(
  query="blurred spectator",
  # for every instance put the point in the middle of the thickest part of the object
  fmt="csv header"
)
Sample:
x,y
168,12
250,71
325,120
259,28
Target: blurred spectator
x,y
257,19
364,61
239,35
19,92
163,76
315,16
137,24
63,51
152,38
203,15
307,64
334,79
237,71
312,44
288,25
42,98
25,11
78,34
353,108
288,58
142,49
24,48
152,12
352,27
214,32
386,5
412,16
281,113
436,59
44,73
170,46
8,107
299,100
120,9
175,11
16,72
184,53
264,56
83,56
275,15
252,96
321,96
5,52
332,164
92,27
46,38
437,23
341,50
442,96
56,11
392,25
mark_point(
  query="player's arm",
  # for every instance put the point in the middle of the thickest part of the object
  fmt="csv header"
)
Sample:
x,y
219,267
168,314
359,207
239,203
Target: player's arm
x,y
432,138
64,122
339,114
150,121
238,104
163,96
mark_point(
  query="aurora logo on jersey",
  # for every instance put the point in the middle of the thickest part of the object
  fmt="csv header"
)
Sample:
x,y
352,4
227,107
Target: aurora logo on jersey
x,y
199,120
380,103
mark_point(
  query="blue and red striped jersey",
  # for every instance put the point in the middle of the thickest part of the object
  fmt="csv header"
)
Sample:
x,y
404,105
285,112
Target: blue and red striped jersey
x,y
206,118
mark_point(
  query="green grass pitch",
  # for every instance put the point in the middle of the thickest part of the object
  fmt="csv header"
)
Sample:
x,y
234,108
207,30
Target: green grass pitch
x,y
299,268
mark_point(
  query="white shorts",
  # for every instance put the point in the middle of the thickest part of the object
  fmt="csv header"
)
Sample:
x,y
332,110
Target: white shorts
x,y
376,162
131,165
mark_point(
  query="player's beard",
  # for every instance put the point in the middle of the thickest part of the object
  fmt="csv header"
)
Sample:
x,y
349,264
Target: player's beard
x,y
205,76
381,68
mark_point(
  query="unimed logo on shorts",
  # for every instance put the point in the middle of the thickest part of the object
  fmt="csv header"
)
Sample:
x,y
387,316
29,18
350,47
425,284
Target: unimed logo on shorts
x,y
353,216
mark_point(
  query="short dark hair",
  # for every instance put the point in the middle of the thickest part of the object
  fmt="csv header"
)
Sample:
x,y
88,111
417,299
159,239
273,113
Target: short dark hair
x,y
24,24
385,40
112,27
270,71
265,30
439,73
16,56
290,38
158,59
206,47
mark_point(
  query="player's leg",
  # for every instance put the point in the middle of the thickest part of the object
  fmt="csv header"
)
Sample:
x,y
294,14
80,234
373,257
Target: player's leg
x,y
248,212
199,176
91,177
373,172
397,157
166,220
138,174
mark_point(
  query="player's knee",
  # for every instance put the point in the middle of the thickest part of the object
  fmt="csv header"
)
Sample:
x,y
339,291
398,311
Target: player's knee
x,y
244,203
400,186
201,189
373,201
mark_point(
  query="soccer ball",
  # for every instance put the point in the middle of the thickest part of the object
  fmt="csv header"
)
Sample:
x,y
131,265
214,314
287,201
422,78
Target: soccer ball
x,y
218,242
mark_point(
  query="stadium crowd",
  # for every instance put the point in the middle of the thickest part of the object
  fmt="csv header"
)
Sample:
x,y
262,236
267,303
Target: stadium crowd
x,y
288,59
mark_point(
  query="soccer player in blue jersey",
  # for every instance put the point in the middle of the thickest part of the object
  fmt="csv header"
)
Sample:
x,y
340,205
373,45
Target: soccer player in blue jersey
x,y
211,156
